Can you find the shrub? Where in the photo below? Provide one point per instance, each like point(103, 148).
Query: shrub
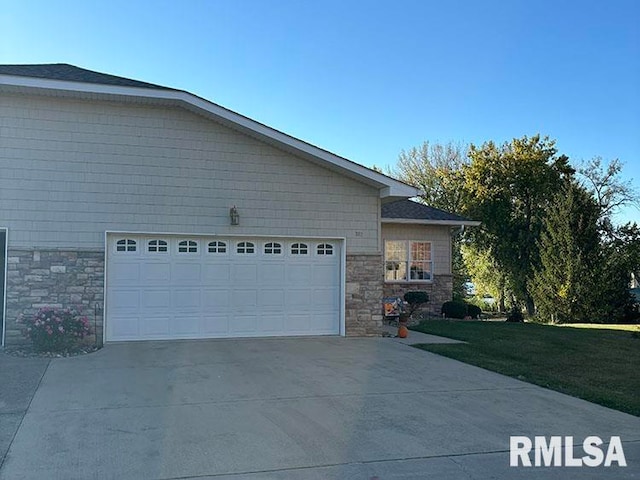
point(54, 329)
point(454, 309)
point(473, 311)
point(515, 315)
point(417, 297)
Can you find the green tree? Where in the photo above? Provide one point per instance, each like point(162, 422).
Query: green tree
point(437, 170)
point(508, 188)
point(565, 285)
point(485, 274)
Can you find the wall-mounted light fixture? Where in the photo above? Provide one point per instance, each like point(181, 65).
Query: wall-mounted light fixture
point(234, 216)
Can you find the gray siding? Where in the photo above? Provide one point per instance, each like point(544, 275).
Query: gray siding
point(72, 169)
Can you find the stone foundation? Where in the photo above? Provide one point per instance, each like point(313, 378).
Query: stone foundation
point(363, 302)
point(39, 278)
point(440, 291)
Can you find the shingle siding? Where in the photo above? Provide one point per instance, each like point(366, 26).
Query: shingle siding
point(71, 169)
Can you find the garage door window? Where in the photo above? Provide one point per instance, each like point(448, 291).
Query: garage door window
point(217, 247)
point(157, 246)
point(245, 247)
point(126, 245)
point(188, 246)
point(272, 248)
point(325, 249)
point(299, 249)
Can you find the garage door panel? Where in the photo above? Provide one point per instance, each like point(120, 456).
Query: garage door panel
point(297, 323)
point(243, 324)
point(323, 323)
point(271, 323)
point(185, 299)
point(155, 273)
point(187, 273)
point(125, 299)
point(215, 299)
point(155, 299)
point(272, 273)
point(298, 273)
point(125, 273)
point(271, 299)
point(217, 324)
point(155, 326)
point(183, 325)
point(243, 274)
point(325, 299)
point(163, 295)
point(244, 300)
point(298, 298)
point(124, 327)
point(324, 275)
point(216, 274)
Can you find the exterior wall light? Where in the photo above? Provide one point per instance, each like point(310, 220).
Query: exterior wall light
point(234, 216)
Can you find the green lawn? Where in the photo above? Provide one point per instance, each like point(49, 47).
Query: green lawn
point(602, 366)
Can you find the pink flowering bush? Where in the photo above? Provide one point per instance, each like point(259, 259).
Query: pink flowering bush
point(55, 329)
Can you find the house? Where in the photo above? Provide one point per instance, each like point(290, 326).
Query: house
point(163, 215)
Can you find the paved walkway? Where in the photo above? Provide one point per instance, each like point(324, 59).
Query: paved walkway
point(416, 338)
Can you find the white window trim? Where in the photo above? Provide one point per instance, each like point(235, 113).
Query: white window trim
point(408, 261)
point(299, 243)
point(136, 243)
point(167, 245)
point(218, 246)
point(188, 246)
point(254, 245)
point(273, 246)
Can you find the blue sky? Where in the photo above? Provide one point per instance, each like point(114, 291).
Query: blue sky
point(368, 79)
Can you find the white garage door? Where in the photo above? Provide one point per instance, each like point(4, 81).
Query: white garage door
point(166, 287)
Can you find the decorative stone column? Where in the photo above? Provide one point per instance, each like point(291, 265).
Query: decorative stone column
point(364, 295)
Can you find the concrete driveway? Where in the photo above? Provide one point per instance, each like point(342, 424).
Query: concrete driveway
point(303, 408)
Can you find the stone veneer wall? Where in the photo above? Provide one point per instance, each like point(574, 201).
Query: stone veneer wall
point(363, 316)
point(440, 291)
point(58, 278)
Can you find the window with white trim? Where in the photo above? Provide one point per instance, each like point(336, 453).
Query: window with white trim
point(407, 261)
point(272, 248)
point(299, 249)
point(157, 246)
point(325, 249)
point(188, 246)
point(126, 245)
point(245, 247)
point(217, 247)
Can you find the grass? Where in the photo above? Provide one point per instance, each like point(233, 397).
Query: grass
point(598, 365)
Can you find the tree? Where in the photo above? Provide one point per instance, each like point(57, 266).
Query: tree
point(485, 274)
point(609, 190)
point(437, 170)
point(565, 285)
point(508, 189)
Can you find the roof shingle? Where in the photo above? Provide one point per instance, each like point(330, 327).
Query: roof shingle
point(410, 210)
point(71, 73)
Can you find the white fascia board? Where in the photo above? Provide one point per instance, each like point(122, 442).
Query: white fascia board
point(415, 221)
point(387, 186)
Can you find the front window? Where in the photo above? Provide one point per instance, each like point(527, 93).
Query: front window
point(407, 261)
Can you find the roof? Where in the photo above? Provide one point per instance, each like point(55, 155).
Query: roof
point(408, 211)
point(71, 73)
point(63, 80)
